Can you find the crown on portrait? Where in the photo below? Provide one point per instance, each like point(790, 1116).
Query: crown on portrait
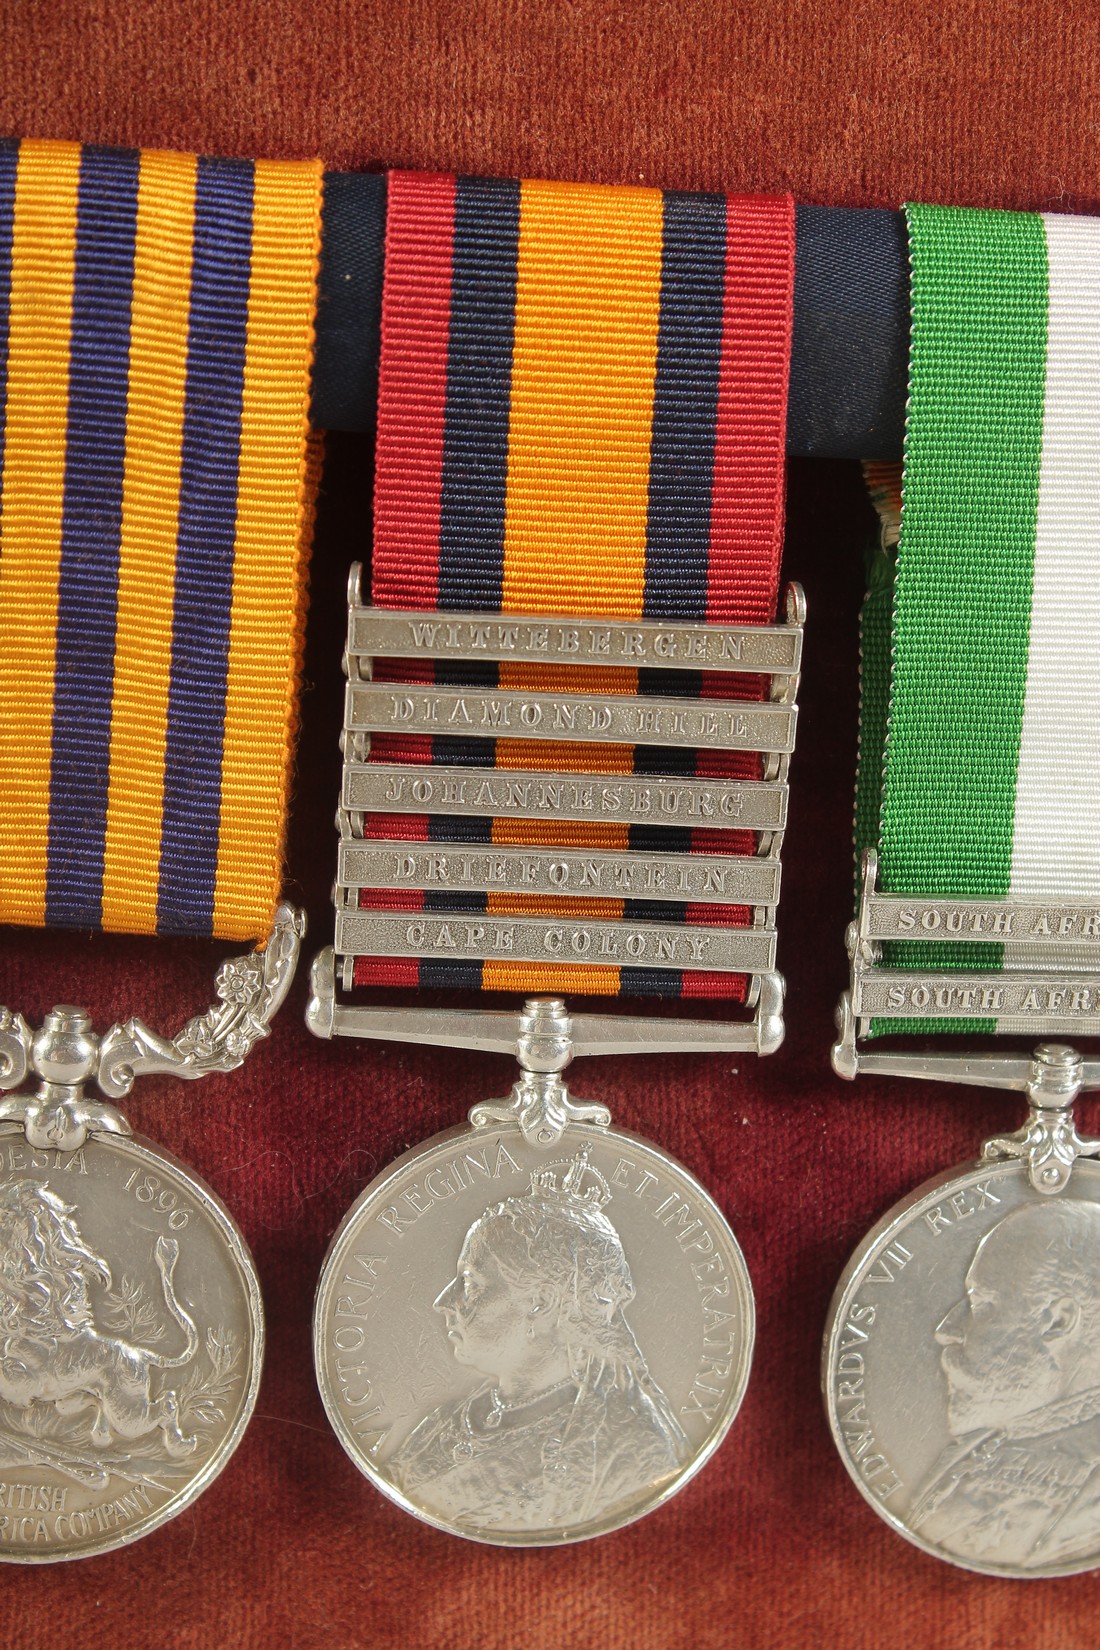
point(574, 1180)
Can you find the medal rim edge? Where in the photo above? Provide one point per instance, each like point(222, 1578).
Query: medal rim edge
point(522, 1539)
point(887, 1222)
point(237, 1245)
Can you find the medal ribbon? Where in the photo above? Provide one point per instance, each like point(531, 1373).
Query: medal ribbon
point(156, 339)
point(980, 743)
point(582, 411)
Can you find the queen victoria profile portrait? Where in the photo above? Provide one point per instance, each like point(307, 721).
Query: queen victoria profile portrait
point(567, 1425)
point(1020, 1483)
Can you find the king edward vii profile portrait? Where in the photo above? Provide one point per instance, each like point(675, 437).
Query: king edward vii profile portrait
point(1020, 1483)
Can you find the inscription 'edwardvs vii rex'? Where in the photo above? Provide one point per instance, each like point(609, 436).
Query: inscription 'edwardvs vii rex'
point(979, 1298)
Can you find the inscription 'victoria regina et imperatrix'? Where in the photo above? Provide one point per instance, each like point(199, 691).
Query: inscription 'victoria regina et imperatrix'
point(572, 775)
point(567, 1340)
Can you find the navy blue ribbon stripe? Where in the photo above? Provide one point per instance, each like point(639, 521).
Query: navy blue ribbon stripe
point(850, 350)
point(681, 482)
point(204, 558)
point(9, 160)
point(479, 394)
point(475, 476)
point(91, 530)
point(685, 405)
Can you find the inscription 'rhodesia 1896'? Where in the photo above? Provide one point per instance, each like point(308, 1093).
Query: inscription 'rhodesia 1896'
point(131, 1341)
point(530, 1346)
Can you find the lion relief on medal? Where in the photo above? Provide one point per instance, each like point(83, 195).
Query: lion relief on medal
point(1019, 1483)
point(566, 1424)
point(98, 1375)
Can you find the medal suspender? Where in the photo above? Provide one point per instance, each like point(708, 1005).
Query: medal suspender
point(568, 724)
point(979, 907)
point(156, 335)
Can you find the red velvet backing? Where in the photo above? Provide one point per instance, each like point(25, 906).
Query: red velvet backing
point(771, 1546)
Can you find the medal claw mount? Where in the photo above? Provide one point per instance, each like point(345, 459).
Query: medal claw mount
point(250, 992)
point(1049, 1141)
point(65, 1054)
point(540, 1102)
point(1052, 1077)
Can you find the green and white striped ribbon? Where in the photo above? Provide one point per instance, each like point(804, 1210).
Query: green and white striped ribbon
point(980, 728)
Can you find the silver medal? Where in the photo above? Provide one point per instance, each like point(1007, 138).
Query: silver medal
point(961, 1366)
point(131, 1344)
point(131, 1327)
point(535, 1329)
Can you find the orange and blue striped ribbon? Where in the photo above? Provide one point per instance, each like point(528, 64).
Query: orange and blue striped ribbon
point(156, 338)
point(582, 411)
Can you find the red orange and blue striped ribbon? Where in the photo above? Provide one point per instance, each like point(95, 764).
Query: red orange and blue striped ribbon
point(582, 411)
point(156, 337)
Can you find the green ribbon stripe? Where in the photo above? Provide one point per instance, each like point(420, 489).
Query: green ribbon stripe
point(963, 577)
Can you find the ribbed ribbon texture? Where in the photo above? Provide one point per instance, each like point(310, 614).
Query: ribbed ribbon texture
point(156, 339)
point(582, 411)
point(980, 742)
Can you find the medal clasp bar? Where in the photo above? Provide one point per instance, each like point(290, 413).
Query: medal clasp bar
point(1049, 988)
point(763, 725)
